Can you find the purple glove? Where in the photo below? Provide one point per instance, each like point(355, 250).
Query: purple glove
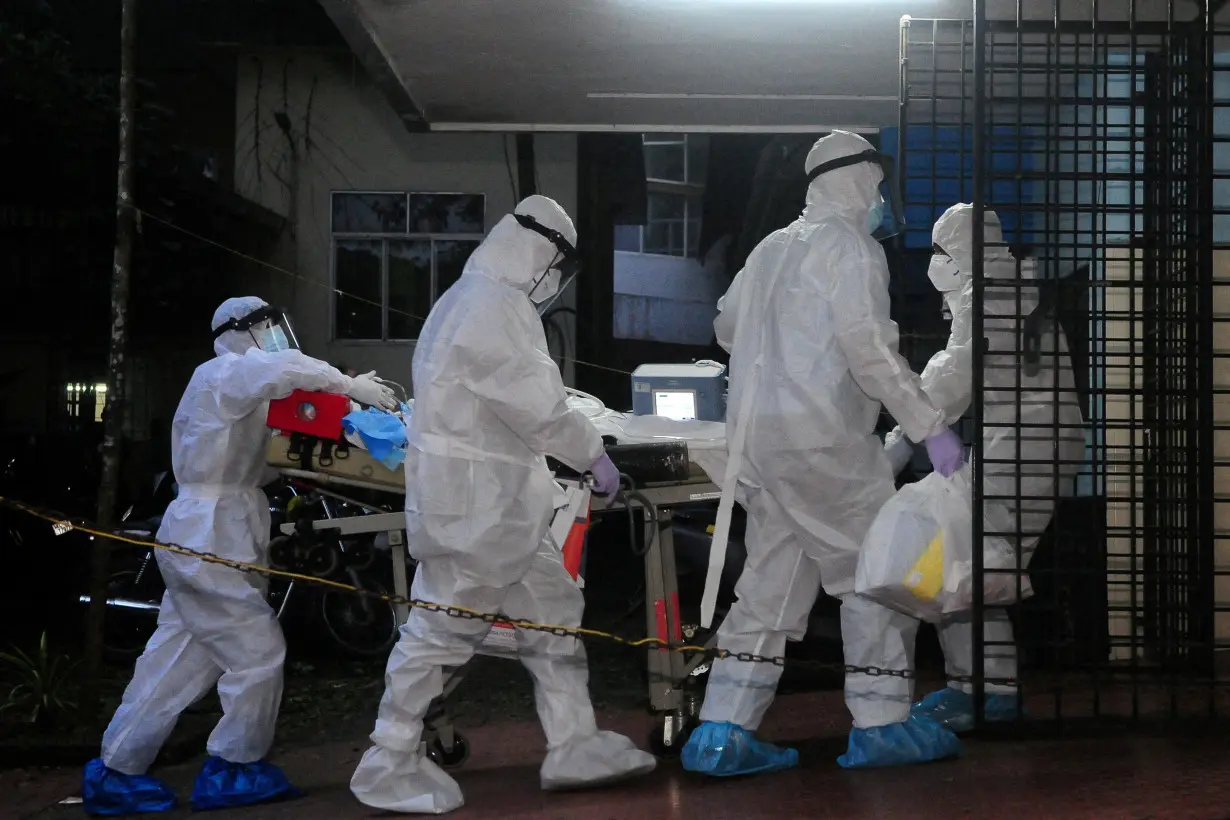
point(606, 475)
point(946, 452)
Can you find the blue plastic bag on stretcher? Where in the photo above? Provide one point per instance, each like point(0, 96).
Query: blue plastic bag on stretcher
point(383, 434)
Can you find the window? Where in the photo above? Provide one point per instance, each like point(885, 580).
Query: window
point(675, 167)
point(85, 400)
point(394, 254)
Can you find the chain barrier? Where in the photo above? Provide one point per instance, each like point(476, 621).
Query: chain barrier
point(63, 524)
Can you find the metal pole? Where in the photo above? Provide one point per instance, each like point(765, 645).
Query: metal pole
point(979, 159)
point(1205, 357)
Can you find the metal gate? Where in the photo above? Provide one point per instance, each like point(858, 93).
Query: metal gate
point(1096, 141)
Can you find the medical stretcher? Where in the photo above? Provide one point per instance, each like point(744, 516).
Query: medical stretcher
point(663, 473)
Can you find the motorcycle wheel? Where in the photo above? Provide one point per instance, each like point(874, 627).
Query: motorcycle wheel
point(357, 632)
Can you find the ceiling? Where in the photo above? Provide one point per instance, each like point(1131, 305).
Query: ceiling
point(639, 65)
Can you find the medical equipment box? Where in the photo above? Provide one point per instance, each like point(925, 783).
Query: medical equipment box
point(311, 414)
point(684, 392)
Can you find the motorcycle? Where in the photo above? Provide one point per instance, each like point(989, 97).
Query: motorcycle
point(356, 626)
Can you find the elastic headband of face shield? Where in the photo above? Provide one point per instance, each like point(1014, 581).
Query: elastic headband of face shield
point(276, 317)
point(568, 261)
point(893, 221)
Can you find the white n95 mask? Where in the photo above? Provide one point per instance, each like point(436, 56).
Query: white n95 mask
point(546, 287)
point(944, 273)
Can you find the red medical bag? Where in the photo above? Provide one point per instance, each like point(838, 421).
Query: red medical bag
point(311, 414)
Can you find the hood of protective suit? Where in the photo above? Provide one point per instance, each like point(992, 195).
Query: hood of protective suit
point(519, 257)
point(954, 234)
point(235, 341)
point(848, 191)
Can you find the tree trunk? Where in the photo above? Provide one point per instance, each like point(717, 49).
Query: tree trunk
point(113, 422)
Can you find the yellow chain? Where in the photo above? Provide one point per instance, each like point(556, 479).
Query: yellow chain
point(63, 525)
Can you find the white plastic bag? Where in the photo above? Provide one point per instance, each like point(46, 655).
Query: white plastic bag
point(917, 558)
point(918, 548)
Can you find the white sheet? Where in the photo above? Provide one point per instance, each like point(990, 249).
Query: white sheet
point(706, 440)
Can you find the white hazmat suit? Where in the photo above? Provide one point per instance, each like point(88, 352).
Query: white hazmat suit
point(214, 624)
point(813, 355)
point(489, 404)
point(1032, 428)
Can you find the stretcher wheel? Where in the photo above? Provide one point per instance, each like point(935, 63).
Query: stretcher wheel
point(670, 734)
point(453, 759)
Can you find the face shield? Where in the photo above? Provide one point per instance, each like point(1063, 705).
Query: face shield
point(269, 327)
point(885, 219)
point(563, 268)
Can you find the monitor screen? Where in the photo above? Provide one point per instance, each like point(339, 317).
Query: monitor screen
point(679, 405)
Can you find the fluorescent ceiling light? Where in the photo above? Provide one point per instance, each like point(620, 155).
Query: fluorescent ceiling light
point(572, 128)
point(653, 95)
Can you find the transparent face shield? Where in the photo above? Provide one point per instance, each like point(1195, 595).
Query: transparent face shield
point(552, 282)
point(544, 307)
point(885, 219)
point(269, 327)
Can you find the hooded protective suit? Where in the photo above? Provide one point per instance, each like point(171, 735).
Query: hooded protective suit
point(1032, 431)
point(489, 404)
point(214, 624)
point(813, 356)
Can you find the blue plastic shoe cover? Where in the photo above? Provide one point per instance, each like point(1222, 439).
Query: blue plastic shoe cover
point(726, 750)
point(915, 740)
point(954, 709)
point(108, 793)
point(223, 785)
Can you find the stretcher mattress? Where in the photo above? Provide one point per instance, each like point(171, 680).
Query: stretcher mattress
point(706, 443)
point(355, 468)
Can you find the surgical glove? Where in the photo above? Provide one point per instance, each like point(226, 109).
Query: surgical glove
point(606, 475)
point(946, 452)
point(366, 390)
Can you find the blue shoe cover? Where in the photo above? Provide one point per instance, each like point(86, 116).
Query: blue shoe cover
point(726, 750)
point(915, 740)
point(954, 709)
point(223, 785)
point(108, 793)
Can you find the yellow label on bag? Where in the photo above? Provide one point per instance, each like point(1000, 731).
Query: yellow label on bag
point(926, 578)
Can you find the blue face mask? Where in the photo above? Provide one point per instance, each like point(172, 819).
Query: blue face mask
point(272, 340)
point(875, 217)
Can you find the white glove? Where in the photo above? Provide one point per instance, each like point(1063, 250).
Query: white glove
point(366, 390)
point(899, 449)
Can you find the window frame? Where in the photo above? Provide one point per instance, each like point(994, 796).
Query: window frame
point(692, 192)
point(383, 239)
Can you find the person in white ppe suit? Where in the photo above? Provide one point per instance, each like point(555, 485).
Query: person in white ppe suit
point(489, 405)
point(813, 355)
point(1032, 431)
point(214, 625)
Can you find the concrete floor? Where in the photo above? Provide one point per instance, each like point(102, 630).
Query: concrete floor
point(1125, 774)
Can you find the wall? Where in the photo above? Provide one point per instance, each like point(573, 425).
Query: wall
point(668, 298)
point(345, 136)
